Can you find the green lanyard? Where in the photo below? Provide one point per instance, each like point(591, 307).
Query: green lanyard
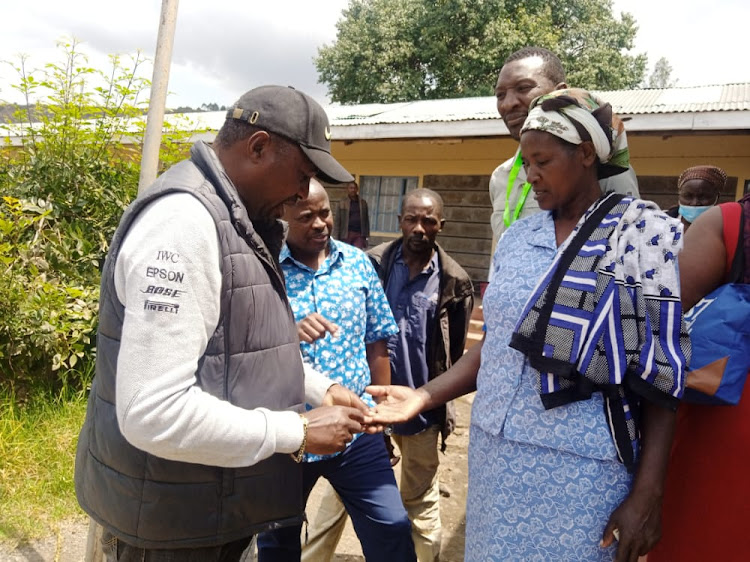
point(521, 200)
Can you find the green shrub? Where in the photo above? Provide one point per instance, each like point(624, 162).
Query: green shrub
point(66, 175)
point(47, 316)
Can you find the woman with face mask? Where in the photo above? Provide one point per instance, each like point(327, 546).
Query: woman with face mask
point(698, 189)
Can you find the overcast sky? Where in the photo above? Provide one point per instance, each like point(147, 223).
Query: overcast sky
point(225, 47)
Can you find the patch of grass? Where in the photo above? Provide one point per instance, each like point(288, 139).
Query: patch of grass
point(38, 436)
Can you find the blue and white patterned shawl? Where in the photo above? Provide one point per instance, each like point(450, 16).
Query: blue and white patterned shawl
point(606, 317)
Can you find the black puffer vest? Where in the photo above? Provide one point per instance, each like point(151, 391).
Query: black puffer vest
point(252, 360)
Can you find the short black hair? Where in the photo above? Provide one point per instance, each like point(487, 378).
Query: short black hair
point(236, 130)
point(424, 192)
point(553, 68)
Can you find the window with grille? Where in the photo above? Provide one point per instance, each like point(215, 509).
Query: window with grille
point(384, 195)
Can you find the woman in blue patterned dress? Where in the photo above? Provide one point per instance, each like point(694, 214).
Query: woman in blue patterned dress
point(583, 359)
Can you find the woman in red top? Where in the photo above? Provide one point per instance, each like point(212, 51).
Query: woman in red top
point(706, 508)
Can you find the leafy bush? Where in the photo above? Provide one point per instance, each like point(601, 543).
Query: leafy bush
point(47, 317)
point(67, 172)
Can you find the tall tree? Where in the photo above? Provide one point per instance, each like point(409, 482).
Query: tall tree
point(399, 50)
point(661, 77)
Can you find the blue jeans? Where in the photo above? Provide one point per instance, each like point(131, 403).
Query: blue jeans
point(115, 550)
point(363, 477)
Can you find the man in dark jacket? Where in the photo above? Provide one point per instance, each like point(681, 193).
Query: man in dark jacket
point(196, 422)
point(352, 218)
point(431, 297)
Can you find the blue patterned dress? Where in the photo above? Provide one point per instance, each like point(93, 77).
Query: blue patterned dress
point(542, 483)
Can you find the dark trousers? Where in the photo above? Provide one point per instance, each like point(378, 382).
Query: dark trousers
point(363, 477)
point(115, 550)
point(356, 239)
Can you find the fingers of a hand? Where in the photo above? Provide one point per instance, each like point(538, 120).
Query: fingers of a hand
point(634, 556)
point(341, 435)
point(346, 436)
point(608, 536)
point(327, 325)
point(626, 551)
point(311, 330)
point(636, 546)
point(377, 390)
point(627, 546)
point(355, 415)
point(373, 428)
point(319, 324)
point(356, 402)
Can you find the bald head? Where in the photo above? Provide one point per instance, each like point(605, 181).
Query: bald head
point(316, 190)
point(418, 194)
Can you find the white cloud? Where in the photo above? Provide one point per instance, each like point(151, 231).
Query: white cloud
point(224, 47)
point(221, 49)
point(704, 42)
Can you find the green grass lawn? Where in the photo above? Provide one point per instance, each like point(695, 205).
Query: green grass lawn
point(37, 451)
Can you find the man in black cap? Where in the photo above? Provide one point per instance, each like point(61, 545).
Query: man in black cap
point(196, 420)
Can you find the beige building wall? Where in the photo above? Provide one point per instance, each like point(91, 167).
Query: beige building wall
point(669, 155)
point(419, 157)
point(459, 169)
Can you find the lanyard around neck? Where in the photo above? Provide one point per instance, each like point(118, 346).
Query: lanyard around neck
point(507, 219)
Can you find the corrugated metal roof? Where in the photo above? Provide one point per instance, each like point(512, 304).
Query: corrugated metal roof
point(728, 97)
point(706, 108)
point(426, 111)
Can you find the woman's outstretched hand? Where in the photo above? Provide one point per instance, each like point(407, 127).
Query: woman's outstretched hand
point(397, 404)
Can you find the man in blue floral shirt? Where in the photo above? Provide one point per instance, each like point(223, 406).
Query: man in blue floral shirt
point(344, 322)
point(431, 297)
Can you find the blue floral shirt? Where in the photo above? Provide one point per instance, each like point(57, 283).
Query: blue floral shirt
point(507, 402)
point(345, 290)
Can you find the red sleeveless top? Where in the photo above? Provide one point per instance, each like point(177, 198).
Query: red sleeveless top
point(706, 510)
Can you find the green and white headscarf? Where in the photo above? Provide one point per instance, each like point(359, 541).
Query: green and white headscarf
point(575, 115)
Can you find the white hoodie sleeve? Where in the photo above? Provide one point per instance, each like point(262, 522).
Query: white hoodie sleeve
point(168, 278)
point(316, 385)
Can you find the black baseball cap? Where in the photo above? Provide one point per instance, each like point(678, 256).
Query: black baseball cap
point(297, 117)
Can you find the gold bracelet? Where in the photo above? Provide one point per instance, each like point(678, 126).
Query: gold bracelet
point(301, 452)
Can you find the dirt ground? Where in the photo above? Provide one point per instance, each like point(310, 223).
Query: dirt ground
point(67, 543)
